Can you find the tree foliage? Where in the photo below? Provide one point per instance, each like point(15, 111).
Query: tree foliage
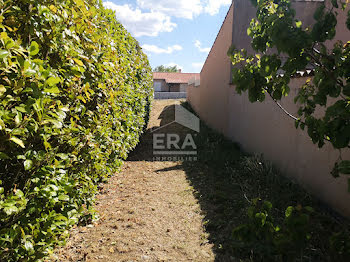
point(75, 88)
point(167, 69)
point(282, 48)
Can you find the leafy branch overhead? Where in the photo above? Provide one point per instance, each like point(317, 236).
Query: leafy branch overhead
point(283, 46)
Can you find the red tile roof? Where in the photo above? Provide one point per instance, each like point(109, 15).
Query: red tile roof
point(175, 78)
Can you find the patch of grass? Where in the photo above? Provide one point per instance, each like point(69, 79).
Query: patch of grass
point(226, 180)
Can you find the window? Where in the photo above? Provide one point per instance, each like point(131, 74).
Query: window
point(157, 86)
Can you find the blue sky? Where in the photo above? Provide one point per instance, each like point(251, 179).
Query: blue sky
point(173, 32)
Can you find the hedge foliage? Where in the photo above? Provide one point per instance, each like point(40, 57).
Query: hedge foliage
point(74, 93)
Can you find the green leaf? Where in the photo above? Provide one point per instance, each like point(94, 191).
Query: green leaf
point(78, 70)
point(19, 193)
point(17, 141)
point(23, 157)
point(4, 53)
point(63, 197)
point(344, 167)
point(53, 81)
point(9, 44)
point(28, 245)
point(10, 209)
point(2, 90)
point(80, 2)
point(21, 109)
point(61, 218)
point(56, 123)
point(298, 24)
point(29, 72)
point(52, 90)
point(4, 156)
point(63, 156)
point(81, 98)
point(78, 62)
point(47, 145)
point(28, 164)
point(34, 48)
point(2, 124)
point(249, 31)
point(289, 211)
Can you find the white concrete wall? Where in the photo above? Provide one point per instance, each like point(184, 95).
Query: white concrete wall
point(169, 95)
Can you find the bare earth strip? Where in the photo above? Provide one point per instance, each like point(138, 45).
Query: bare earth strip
point(147, 213)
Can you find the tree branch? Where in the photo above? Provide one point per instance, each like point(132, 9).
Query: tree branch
point(283, 109)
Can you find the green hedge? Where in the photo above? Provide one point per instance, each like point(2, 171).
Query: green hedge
point(75, 89)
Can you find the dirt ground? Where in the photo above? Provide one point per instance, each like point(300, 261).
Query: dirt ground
point(148, 212)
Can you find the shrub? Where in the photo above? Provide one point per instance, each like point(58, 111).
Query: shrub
point(269, 242)
point(296, 237)
point(75, 89)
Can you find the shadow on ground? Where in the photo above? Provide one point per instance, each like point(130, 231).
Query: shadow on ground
point(215, 195)
point(225, 180)
point(161, 123)
point(212, 189)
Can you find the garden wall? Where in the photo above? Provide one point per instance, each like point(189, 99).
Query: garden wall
point(263, 127)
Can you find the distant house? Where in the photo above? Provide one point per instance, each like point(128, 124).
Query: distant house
point(173, 82)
